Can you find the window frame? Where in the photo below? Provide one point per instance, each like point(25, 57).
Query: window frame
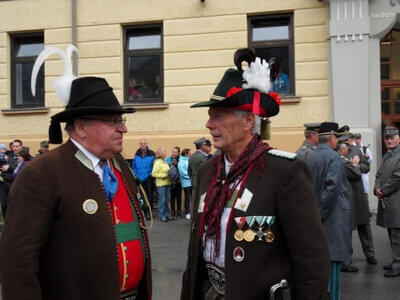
point(132, 53)
point(14, 40)
point(276, 19)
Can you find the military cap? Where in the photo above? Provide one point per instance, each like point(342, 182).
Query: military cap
point(357, 135)
point(328, 128)
point(202, 141)
point(312, 126)
point(44, 144)
point(390, 131)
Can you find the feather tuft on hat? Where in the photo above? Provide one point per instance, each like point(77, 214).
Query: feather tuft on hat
point(257, 76)
point(61, 85)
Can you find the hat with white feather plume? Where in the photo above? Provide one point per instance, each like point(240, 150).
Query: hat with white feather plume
point(245, 90)
point(82, 96)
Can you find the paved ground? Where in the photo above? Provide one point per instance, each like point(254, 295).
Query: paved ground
point(169, 245)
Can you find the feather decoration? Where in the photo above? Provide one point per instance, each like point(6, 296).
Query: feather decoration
point(61, 85)
point(257, 76)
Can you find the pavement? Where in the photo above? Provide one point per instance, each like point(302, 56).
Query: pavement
point(169, 240)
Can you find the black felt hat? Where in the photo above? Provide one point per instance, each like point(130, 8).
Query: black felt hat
point(89, 96)
point(235, 91)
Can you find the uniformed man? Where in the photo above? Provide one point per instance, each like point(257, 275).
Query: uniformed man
point(203, 149)
point(311, 142)
point(360, 204)
point(74, 228)
point(255, 219)
point(331, 189)
point(387, 189)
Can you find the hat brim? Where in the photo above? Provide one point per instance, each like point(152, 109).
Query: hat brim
point(243, 100)
point(73, 113)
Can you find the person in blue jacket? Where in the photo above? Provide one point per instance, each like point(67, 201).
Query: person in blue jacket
point(186, 183)
point(142, 165)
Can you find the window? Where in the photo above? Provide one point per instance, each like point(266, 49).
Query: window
point(143, 61)
point(24, 50)
point(272, 39)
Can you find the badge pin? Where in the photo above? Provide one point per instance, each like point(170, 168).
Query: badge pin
point(244, 201)
point(90, 206)
point(201, 203)
point(269, 236)
point(249, 235)
point(238, 254)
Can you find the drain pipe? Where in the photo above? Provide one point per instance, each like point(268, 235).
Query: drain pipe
point(74, 39)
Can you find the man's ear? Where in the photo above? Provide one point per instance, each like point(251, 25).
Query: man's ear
point(80, 127)
point(249, 120)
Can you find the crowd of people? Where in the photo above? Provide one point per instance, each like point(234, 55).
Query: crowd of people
point(265, 223)
point(12, 160)
point(340, 166)
point(168, 178)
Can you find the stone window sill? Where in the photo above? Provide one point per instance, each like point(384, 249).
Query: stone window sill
point(23, 111)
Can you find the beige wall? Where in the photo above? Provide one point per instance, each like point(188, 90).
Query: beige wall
point(199, 41)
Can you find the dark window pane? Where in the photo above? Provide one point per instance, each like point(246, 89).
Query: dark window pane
point(23, 94)
point(144, 77)
point(270, 33)
point(281, 84)
point(385, 108)
point(29, 49)
point(144, 39)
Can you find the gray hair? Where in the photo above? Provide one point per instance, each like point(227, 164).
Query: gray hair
point(257, 120)
point(323, 139)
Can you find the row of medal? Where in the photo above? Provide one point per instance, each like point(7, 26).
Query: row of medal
point(262, 230)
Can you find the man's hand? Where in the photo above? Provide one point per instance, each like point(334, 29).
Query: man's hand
point(379, 193)
point(5, 168)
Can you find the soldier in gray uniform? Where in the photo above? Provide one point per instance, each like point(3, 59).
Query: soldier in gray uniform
point(203, 148)
point(311, 142)
point(387, 189)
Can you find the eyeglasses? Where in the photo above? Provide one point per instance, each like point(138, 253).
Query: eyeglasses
point(115, 122)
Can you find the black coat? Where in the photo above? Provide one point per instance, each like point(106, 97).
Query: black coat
point(299, 252)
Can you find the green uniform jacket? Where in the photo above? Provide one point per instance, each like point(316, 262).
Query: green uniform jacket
point(299, 252)
point(50, 247)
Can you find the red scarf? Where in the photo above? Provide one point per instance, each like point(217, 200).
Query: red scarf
point(220, 190)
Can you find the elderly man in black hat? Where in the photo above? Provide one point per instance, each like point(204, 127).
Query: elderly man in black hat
point(74, 228)
point(311, 142)
point(387, 189)
point(256, 228)
point(331, 189)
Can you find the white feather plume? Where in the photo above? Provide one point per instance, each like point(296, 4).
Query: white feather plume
point(257, 76)
point(61, 85)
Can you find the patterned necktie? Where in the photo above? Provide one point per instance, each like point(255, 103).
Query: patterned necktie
point(110, 182)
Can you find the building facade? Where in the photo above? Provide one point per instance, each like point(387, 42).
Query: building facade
point(161, 57)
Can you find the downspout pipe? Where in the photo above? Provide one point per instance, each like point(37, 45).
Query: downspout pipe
point(74, 36)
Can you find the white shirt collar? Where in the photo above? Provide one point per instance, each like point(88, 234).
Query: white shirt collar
point(93, 158)
point(228, 165)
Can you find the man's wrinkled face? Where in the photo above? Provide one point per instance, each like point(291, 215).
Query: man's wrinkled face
point(104, 135)
point(392, 142)
point(16, 147)
point(226, 129)
point(357, 142)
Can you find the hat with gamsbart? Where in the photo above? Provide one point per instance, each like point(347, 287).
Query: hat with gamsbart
point(83, 96)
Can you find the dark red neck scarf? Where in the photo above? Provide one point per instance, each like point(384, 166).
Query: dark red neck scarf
point(220, 190)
